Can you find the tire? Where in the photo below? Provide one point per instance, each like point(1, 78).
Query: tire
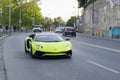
point(65, 34)
point(25, 48)
point(32, 56)
point(69, 54)
point(72, 35)
point(75, 35)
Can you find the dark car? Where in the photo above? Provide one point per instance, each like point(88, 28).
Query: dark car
point(69, 31)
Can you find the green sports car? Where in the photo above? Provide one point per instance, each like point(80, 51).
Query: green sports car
point(47, 44)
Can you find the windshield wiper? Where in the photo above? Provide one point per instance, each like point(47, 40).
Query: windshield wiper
point(51, 41)
point(56, 41)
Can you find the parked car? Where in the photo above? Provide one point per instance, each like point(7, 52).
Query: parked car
point(58, 30)
point(69, 31)
point(37, 28)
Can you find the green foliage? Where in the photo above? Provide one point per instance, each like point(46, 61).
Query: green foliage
point(82, 3)
point(4, 7)
point(58, 21)
point(85, 3)
point(29, 9)
point(71, 21)
point(47, 22)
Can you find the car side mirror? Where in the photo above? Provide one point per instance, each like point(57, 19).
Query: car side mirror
point(30, 39)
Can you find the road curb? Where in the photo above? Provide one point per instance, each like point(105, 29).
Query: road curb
point(87, 35)
point(3, 37)
point(2, 65)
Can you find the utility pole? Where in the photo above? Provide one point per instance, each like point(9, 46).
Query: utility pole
point(93, 17)
point(10, 5)
point(33, 22)
point(20, 13)
point(0, 14)
point(78, 12)
point(75, 17)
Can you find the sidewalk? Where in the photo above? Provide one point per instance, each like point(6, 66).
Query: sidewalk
point(2, 66)
point(105, 37)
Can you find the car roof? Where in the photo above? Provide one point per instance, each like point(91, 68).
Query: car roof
point(70, 27)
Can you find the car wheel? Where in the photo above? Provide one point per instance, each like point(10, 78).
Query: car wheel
point(65, 34)
point(25, 48)
point(72, 35)
point(75, 35)
point(32, 53)
point(69, 54)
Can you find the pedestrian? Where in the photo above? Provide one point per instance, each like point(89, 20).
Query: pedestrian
point(21, 29)
point(74, 33)
point(14, 28)
point(26, 29)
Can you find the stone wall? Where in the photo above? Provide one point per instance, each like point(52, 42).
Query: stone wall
point(105, 14)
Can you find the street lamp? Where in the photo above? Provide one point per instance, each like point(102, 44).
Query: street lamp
point(20, 13)
point(33, 19)
point(75, 18)
point(10, 5)
point(0, 13)
point(75, 10)
point(92, 17)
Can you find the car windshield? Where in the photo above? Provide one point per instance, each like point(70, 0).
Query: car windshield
point(69, 29)
point(48, 38)
point(36, 26)
point(58, 29)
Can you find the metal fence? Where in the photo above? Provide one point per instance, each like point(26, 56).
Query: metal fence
point(5, 32)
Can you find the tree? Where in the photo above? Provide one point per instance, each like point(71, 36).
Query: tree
point(71, 21)
point(58, 21)
point(85, 3)
point(29, 7)
point(31, 12)
point(47, 23)
point(4, 7)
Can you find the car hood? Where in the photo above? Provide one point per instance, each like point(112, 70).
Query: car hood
point(54, 46)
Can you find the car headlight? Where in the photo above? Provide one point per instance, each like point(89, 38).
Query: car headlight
point(68, 46)
point(39, 47)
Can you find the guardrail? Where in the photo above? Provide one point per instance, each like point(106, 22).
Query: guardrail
point(5, 32)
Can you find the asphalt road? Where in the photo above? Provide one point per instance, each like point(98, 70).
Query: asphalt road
point(93, 59)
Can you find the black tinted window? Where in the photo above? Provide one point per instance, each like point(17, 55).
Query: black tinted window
point(49, 38)
point(70, 29)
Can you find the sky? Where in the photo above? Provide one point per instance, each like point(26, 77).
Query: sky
point(63, 8)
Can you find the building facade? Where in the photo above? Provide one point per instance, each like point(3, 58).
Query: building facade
point(100, 16)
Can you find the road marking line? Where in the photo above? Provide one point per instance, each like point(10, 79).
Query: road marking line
point(102, 47)
point(104, 67)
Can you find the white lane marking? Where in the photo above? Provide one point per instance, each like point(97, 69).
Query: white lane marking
point(102, 47)
point(104, 67)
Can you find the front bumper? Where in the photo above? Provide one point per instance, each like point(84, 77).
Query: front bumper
point(43, 54)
